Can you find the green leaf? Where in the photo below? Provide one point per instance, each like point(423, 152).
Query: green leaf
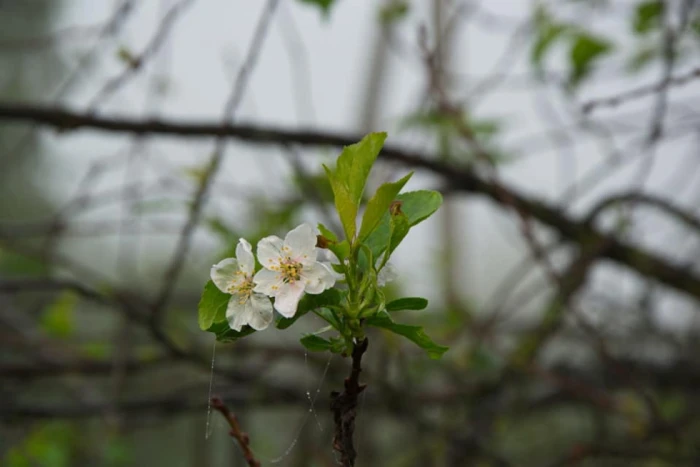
point(340, 250)
point(225, 334)
point(212, 315)
point(355, 163)
point(326, 232)
point(59, 318)
point(648, 16)
point(311, 302)
point(412, 333)
point(398, 227)
point(379, 205)
point(585, 50)
point(393, 11)
point(316, 343)
point(548, 32)
point(350, 175)
point(407, 303)
point(330, 317)
point(416, 205)
point(212, 306)
point(344, 204)
point(323, 5)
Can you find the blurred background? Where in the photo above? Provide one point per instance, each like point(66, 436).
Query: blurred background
point(140, 139)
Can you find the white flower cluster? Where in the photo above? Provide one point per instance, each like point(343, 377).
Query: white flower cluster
point(289, 269)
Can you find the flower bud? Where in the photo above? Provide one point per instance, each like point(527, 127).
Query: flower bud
point(322, 242)
point(395, 208)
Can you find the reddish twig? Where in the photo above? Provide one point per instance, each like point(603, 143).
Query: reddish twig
point(344, 408)
point(235, 432)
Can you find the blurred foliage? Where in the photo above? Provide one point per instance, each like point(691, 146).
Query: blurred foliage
point(323, 5)
point(58, 318)
point(585, 47)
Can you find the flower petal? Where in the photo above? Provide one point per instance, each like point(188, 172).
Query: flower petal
point(267, 282)
point(236, 313)
point(244, 254)
point(326, 256)
point(270, 251)
point(224, 274)
point(317, 278)
point(301, 244)
point(288, 298)
point(386, 275)
point(259, 311)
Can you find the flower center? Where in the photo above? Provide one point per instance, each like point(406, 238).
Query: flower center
point(242, 287)
point(291, 270)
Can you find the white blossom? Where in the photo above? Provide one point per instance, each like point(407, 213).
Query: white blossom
point(235, 276)
point(290, 268)
point(386, 275)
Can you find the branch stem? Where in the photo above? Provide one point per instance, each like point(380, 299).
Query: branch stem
point(344, 408)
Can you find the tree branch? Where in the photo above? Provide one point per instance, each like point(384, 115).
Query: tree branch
point(458, 178)
point(236, 433)
point(344, 407)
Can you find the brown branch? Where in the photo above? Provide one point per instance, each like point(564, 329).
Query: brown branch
point(236, 433)
point(663, 205)
point(622, 98)
point(344, 408)
point(115, 83)
point(458, 178)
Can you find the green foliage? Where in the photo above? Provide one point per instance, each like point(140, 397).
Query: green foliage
point(224, 333)
point(50, 444)
point(648, 16)
point(330, 297)
point(59, 318)
point(413, 333)
point(349, 178)
point(316, 343)
point(212, 306)
point(394, 11)
point(407, 303)
point(586, 49)
point(388, 217)
point(330, 317)
point(326, 232)
point(642, 57)
point(212, 315)
point(547, 33)
point(398, 229)
point(323, 5)
point(416, 205)
point(379, 204)
point(15, 264)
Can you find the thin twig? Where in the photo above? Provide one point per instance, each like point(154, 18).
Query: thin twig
point(234, 100)
point(643, 91)
point(236, 432)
